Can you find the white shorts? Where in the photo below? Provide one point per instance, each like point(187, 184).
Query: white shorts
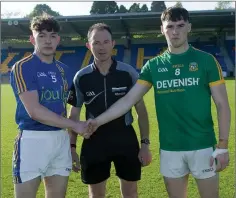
point(41, 153)
point(176, 164)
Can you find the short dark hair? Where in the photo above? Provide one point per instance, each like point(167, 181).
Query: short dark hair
point(44, 22)
point(175, 14)
point(100, 27)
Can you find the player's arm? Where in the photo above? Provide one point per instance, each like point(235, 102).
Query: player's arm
point(219, 95)
point(124, 104)
point(140, 108)
point(136, 93)
point(36, 111)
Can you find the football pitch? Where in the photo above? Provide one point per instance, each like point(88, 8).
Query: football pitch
point(151, 185)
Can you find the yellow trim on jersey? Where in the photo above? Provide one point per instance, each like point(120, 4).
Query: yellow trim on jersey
point(218, 82)
point(219, 68)
point(144, 82)
point(21, 86)
point(18, 83)
point(16, 79)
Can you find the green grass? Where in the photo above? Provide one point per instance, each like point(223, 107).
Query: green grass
point(151, 185)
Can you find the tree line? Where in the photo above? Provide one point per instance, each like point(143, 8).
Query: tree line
point(111, 7)
point(103, 7)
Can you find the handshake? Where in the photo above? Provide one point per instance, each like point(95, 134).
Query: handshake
point(85, 128)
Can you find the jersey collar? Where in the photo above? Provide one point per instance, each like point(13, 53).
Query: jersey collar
point(36, 56)
point(111, 69)
point(182, 54)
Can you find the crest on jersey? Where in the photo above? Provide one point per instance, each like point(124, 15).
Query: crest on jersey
point(193, 66)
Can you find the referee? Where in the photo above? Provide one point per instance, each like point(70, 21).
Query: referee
point(98, 86)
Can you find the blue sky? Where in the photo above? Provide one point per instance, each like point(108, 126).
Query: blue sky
point(83, 8)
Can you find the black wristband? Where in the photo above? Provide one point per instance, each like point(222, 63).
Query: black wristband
point(73, 145)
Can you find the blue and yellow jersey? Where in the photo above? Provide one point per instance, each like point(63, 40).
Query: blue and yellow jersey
point(51, 81)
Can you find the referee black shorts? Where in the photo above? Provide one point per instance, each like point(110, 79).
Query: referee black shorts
point(119, 146)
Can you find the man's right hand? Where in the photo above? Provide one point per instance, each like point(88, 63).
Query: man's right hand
point(75, 160)
point(92, 127)
point(81, 128)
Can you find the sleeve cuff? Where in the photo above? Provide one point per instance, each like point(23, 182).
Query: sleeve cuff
point(144, 82)
point(218, 82)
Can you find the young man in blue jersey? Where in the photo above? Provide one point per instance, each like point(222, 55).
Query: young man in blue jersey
point(42, 147)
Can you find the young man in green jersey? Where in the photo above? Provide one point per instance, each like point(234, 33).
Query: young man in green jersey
point(184, 80)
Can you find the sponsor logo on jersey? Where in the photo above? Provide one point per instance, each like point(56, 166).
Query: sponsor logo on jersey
point(53, 95)
point(193, 66)
point(90, 93)
point(185, 82)
point(164, 69)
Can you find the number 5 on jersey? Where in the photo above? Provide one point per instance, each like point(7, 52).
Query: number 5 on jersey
point(53, 78)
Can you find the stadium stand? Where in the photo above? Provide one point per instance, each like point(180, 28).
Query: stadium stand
point(128, 49)
point(75, 57)
point(230, 45)
point(141, 53)
point(78, 57)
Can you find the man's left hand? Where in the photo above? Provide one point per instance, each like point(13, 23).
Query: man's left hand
point(145, 156)
point(222, 161)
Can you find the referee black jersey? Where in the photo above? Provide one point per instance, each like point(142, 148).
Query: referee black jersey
point(98, 92)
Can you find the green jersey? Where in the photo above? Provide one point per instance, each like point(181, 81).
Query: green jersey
point(183, 98)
